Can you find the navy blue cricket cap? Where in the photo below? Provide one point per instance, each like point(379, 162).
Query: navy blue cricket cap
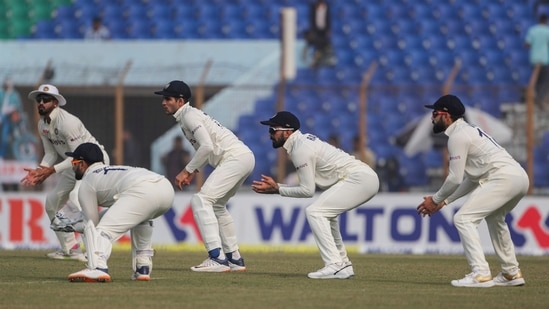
point(283, 119)
point(450, 104)
point(176, 89)
point(88, 152)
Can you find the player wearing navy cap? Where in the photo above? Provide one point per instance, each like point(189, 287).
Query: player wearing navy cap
point(132, 197)
point(495, 182)
point(347, 181)
point(233, 162)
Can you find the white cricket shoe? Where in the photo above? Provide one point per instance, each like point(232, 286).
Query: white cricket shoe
point(475, 280)
point(90, 275)
point(503, 279)
point(333, 271)
point(74, 254)
point(213, 265)
point(142, 273)
point(349, 268)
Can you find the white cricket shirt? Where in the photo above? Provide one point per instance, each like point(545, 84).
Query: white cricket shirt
point(64, 133)
point(211, 140)
point(474, 156)
point(318, 164)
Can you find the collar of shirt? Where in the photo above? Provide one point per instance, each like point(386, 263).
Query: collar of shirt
point(179, 111)
point(52, 116)
point(453, 126)
point(290, 142)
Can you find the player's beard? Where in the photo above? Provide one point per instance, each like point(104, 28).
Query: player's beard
point(438, 126)
point(278, 142)
point(45, 111)
point(78, 174)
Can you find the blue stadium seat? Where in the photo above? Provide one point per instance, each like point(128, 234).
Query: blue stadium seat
point(164, 28)
point(117, 27)
point(207, 12)
point(44, 29)
point(136, 11)
point(86, 12)
point(161, 11)
point(259, 30)
point(433, 158)
point(477, 26)
point(64, 12)
point(231, 12)
point(469, 11)
point(444, 12)
point(495, 11)
point(235, 29)
point(210, 29)
point(69, 29)
point(112, 11)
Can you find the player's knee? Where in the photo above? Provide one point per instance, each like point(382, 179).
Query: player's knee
point(313, 212)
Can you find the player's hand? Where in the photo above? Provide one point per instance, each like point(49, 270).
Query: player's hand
point(184, 178)
point(428, 206)
point(265, 185)
point(36, 176)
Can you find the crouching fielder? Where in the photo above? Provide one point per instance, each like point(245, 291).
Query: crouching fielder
point(348, 183)
point(133, 197)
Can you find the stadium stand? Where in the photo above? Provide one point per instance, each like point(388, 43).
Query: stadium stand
point(416, 44)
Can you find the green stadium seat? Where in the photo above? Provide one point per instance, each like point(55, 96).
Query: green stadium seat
point(17, 11)
point(40, 11)
point(19, 28)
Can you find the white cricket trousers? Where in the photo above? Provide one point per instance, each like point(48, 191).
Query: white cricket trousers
point(144, 201)
point(492, 200)
point(214, 221)
point(322, 215)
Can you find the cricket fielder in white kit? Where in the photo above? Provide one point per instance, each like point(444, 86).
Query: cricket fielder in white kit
point(347, 181)
point(495, 183)
point(60, 132)
point(233, 162)
point(132, 196)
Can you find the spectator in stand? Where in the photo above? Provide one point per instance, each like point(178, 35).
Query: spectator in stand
point(11, 111)
point(537, 39)
point(98, 31)
point(318, 36)
point(363, 153)
point(175, 160)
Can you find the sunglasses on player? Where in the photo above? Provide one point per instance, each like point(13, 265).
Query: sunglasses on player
point(273, 130)
point(44, 98)
point(436, 113)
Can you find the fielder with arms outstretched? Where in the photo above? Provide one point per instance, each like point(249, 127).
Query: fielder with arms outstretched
point(233, 162)
point(495, 183)
point(60, 132)
point(133, 196)
point(347, 181)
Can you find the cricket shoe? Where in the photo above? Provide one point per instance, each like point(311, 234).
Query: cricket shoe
point(91, 275)
point(503, 279)
point(333, 271)
point(213, 265)
point(74, 254)
point(475, 280)
point(349, 268)
point(237, 265)
point(142, 274)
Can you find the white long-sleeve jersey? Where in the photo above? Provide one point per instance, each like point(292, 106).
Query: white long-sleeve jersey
point(103, 184)
point(318, 164)
point(63, 134)
point(474, 156)
point(211, 140)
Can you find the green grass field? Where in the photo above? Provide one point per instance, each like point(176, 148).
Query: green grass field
point(274, 280)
